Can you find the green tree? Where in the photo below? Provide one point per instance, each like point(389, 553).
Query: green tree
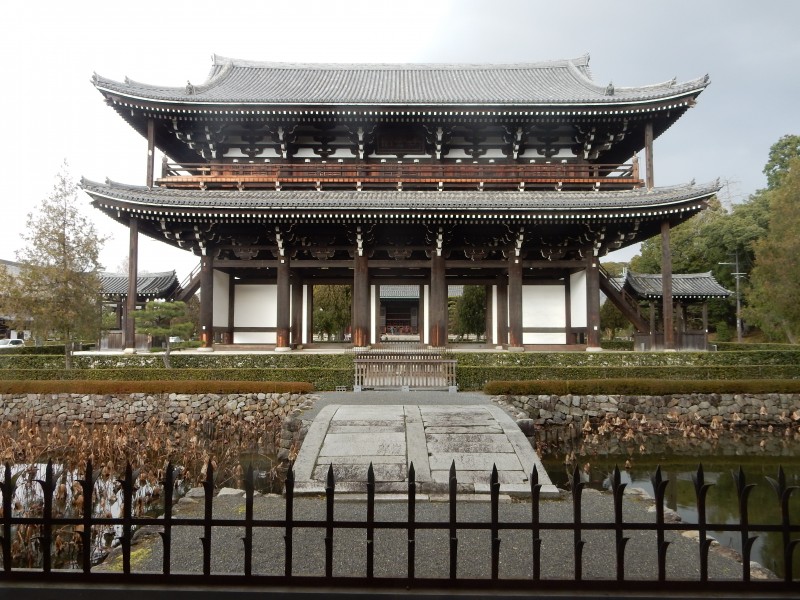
point(164, 319)
point(612, 320)
point(775, 279)
point(332, 310)
point(58, 287)
point(781, 155)
point(470, 312)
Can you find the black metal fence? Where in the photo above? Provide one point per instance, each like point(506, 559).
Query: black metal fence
point(44, 527)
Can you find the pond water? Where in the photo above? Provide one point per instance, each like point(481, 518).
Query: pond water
point(760, 454)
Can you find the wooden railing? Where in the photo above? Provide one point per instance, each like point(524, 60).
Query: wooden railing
point(404, 370)
point(399, 175)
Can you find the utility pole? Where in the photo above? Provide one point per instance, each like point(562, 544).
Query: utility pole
point(737, 274)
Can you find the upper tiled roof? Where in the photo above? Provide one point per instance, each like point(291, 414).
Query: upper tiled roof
point(152, 285)
point(686, 286)
point(311, 201)
point(561, 82)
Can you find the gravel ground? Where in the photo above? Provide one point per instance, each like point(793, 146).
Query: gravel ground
point(432, 546)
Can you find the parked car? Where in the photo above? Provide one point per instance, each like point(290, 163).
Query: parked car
point(17, 343)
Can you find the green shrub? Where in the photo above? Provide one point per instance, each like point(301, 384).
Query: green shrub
point(319, 378)
point(618, 345)
point(641, 387)
point(152, 387)
point(724, 332)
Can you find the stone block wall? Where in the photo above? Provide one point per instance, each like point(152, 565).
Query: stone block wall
point(702, 409)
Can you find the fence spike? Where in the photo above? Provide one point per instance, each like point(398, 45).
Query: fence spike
point(412, 515)
point(330, 486)
point(453, 487)
point(743, 490)
point(659, 490)
point(8, 487)
point(289, 521)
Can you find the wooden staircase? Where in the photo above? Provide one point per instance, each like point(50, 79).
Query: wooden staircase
point(626, 303)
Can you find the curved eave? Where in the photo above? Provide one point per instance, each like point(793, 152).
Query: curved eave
point(340, 206)
point(683, 99)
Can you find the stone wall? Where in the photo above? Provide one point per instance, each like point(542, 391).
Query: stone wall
point(702, 409)
point(169, 407)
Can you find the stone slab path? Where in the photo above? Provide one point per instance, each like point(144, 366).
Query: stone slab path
point(393, 436)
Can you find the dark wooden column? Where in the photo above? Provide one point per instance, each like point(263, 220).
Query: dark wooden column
point(648, 155)
point(297, 311)
point(666, 288)
point(151, 150)
point(593, 303)
point(570, 336)
point(514, 301)
point(437, 310)
point(489, 320)
point(207, 301)
point(361, 309)
point(129, 343)
point(502, 310)
point(283, 307)
point(421, 319)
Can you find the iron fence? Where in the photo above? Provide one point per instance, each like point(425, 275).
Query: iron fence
point(45, 520)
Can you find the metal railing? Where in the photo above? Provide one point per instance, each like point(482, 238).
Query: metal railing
point(414, 175)
point(44, 520)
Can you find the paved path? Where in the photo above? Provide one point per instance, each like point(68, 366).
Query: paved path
point(393, 430)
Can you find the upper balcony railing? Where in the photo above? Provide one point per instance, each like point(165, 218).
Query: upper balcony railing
point(319, 175)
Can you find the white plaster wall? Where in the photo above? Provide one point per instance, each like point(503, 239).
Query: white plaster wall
point(577, 291)
point(305, 314)
point(255, 337)
point(544, 338)
point(255, 306)
point(374, 304)
point(495, 333)
point(426, 317)
point(222, 283)
point(543, 306)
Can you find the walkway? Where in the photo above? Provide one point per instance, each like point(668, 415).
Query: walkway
point(432, 430)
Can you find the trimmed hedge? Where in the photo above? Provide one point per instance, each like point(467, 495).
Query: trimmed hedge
point(153, 387)
point(642, 387)
point(627, 359)
point(737, 347)
point(475, 378)
point(319, 378)
point(619, 345)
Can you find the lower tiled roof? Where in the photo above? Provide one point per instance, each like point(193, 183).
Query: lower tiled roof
point(150, 285)
point(684, 286)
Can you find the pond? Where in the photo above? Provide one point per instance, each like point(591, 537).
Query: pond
point(760, 454)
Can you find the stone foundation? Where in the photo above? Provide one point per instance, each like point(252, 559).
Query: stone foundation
point(702, 409)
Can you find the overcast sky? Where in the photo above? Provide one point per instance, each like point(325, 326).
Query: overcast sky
point(52, 112)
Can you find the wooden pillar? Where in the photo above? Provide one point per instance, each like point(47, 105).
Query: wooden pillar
point(593, 303)
point(570, 336)
point(228, 338)
point(648, 155)
point(129, 343)
point(151, 150)
point(297, 311)
point(207, 301)
point(502, 311)
point(489, 321)
point(666, 288)
point(283, 307)
point(421, 320)
point(438, 303)
point(361, 308)
point(514, 301)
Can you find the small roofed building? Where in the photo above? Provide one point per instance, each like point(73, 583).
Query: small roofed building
point(149, 286)
point(688, 289)
point(515, 177)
